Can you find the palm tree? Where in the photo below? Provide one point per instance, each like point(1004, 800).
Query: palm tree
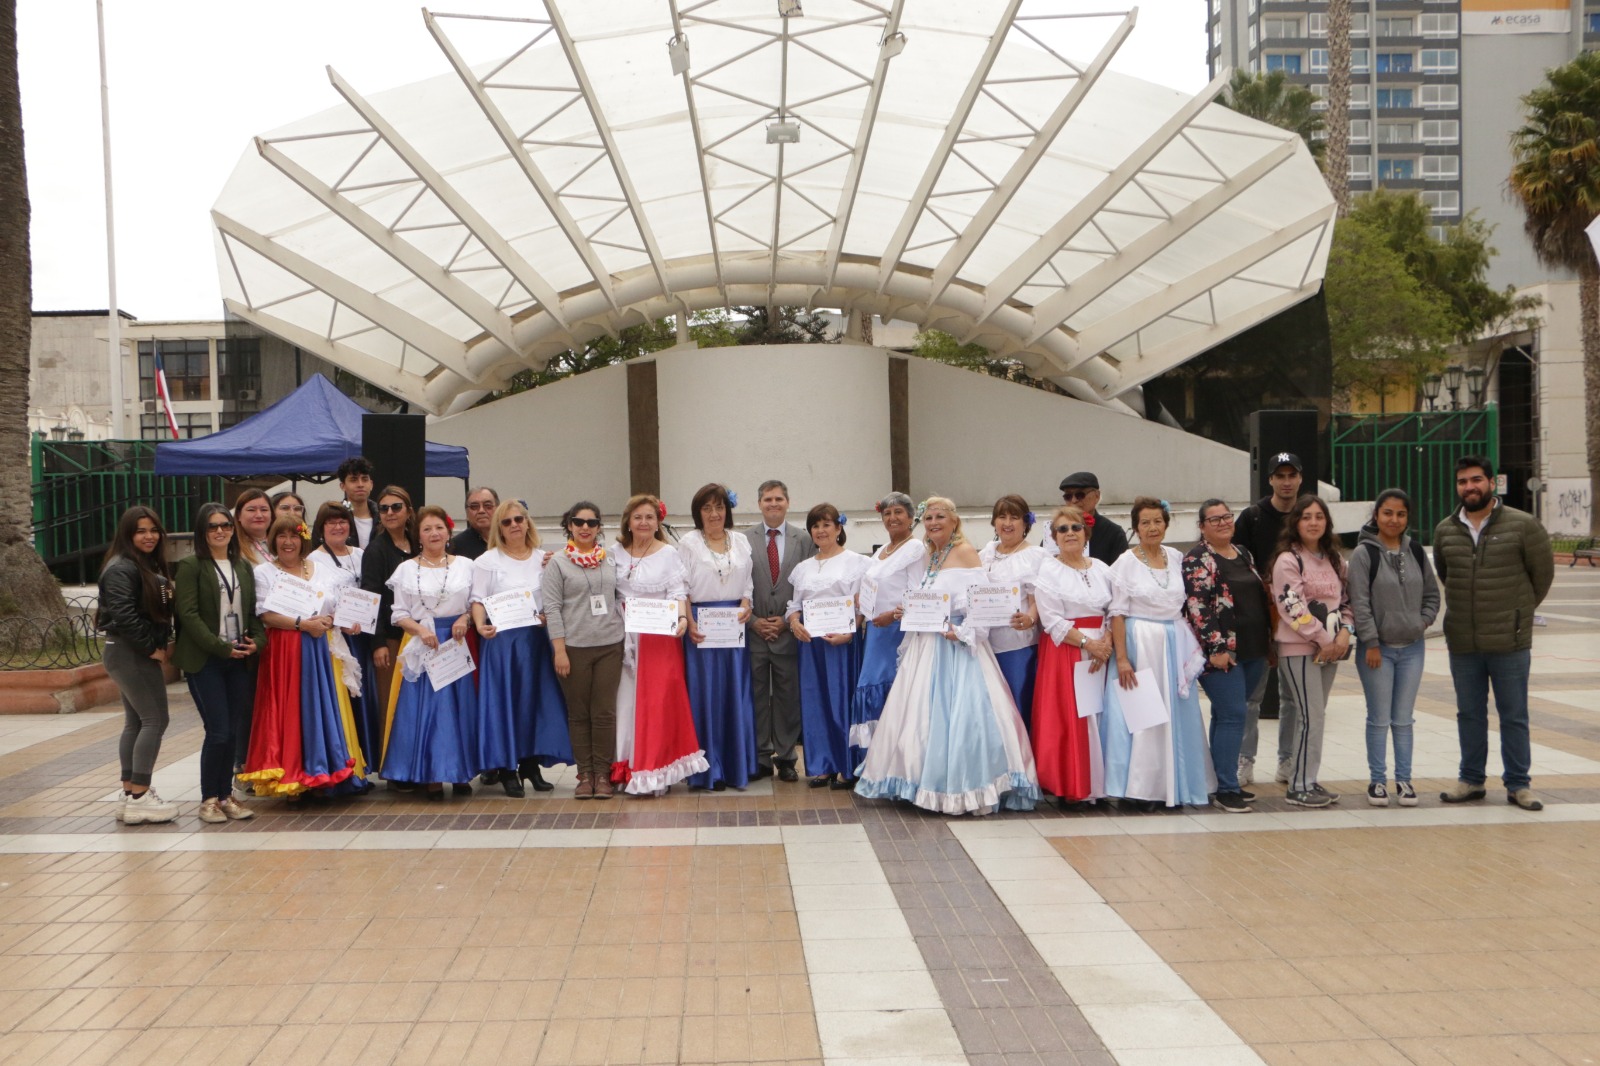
point(1555, 173)
point(1273, 99)
point(26, 587)
point(1336, 163)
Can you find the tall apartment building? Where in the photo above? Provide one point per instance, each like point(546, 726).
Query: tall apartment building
point(1435, 87)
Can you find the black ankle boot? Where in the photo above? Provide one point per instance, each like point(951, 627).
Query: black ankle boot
point(530, 771)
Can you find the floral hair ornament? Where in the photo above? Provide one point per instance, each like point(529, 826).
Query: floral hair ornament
point(844, 519)
point(449, 523)
point(305, 534)
point(733, 497)
point(1165, 506)
point(921, 507)
point(878, 507)
point(661, 511)
point(1031, 518)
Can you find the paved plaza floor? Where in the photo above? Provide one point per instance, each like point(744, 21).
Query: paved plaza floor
point(786, 924)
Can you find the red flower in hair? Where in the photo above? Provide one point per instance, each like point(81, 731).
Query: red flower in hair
point(449, 523)
point(661, 511)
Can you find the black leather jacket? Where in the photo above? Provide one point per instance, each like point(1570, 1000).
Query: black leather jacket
point(122, 612)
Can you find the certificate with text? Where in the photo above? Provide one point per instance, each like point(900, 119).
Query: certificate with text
point(925, 612)
point(720, 626)
point(989, 606)
point(827, 615)
point(652, 617)
point(449, 663)
point(512, 609)
point(295, 597)
point(357, 607)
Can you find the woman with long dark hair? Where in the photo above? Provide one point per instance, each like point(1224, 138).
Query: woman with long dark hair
point(393, 542)
point(135, 614)
point(219, 634)
point(1314, 627)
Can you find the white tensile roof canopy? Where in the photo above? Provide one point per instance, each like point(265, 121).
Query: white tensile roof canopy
point(966, 165)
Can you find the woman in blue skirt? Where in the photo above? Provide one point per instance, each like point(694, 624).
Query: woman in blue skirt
point(829, 663)
point(431, 733)
point(890, 571)
point(1010, 560)
point(523, 715)
point(717, 564)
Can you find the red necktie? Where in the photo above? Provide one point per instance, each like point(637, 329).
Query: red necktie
point(772, 554)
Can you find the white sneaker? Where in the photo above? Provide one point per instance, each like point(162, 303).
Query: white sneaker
point(1247, 770)
point(1282, 776)
point(148, 808)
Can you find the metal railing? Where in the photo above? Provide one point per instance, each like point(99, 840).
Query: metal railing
point(1416, 452)
point(51, 644)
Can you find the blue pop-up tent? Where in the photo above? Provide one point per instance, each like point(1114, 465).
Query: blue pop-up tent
point(304, 436)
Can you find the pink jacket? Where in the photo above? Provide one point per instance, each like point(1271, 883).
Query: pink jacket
point(1307, 590)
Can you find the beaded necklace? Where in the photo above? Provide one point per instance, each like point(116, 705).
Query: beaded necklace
point(1083, 573)
point(721, 562)
point(444, 583)
point(1162, 576)
point(935, 564)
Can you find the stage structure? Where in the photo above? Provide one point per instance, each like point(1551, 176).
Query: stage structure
point(972, 166)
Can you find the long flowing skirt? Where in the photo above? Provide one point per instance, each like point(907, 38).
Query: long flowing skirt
point(301, 734)
point(1066, 746)
point(880, 658)
point(656, 742)
point(521, 713)
point(950, 739)
point(1170, 763)
point(828, 674)
point(430, 735)
point(724, 711)
point(1019, 667)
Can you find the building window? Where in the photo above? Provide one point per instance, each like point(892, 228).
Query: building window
point(1440, 60)
point(1289, 63)
point(238, 379)
point(1591, 23)
point(1441, 97)
point(1441, 25)
point(1360, 61)
point(1216, 35)
point(1279, 28)
point(1360, 131)
point(154, 426)
point(1395, 27)
point(1360, 168)
point(1439, 233)
point(1394, 62)
point(1253, 32)
point(1396, 133)
point(1441, 131)
point(1442, 201)
point(1317, 25)
point(1395, 98)
point(188, 367)
point(1359, 26)
point(1360, 96)
point(1253, 7)
point(1396, 170)
point(1441, 167)
point(1319, 61)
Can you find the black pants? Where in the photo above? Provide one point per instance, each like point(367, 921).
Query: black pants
point(224, 692)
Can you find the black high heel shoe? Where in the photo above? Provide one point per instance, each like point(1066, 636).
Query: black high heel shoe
point(512, 783)
point(461, 788)
point(821, 781)
point(530, 772)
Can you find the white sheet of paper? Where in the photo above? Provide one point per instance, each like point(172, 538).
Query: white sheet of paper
point(827, 615)
point(512, 609)
point(659, 617)
point(925, 611)
point(357, 607)
point(1142, 707)
point(720, 626)
point(449, 663)
point(867, 598)
point(1089, 689)
point(993, 605)
point(294, 597)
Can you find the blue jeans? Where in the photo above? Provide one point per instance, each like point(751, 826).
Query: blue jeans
point(224, 691)
point(1473, 674)
point(1229, 692)
point(1391, 692)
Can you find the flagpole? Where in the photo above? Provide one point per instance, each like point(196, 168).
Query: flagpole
point(114, 325)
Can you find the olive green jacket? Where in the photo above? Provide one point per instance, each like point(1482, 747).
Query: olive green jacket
point(1492, 588)
point(197, 605)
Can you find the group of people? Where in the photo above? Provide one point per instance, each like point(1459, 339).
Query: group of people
point(960, 677)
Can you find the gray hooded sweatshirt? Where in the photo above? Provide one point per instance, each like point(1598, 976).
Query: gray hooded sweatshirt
point(1396, 605)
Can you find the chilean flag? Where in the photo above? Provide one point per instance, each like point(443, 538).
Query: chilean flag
point(163, 393)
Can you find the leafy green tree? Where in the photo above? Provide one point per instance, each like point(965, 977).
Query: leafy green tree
point(1385, 326)
point(943, 348)
point(1271, 98)
point(1555, 173)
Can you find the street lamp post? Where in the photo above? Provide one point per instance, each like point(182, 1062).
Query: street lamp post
point(1430, 389)
point(1452, 384)
point(1475, 386)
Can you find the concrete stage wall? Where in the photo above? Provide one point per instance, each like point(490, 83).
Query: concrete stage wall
point(818, 417)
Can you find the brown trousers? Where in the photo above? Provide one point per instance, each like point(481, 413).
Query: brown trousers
point(591, 691)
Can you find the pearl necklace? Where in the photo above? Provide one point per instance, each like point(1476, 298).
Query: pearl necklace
point(1162, 575)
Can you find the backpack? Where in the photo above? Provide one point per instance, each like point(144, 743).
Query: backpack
point(1375, 557)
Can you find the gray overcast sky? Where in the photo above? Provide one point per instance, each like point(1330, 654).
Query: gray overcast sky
point(193, 80)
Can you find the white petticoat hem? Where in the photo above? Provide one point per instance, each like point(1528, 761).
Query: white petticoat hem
point(861, 734)
point(643, 782)
point(1015, 791)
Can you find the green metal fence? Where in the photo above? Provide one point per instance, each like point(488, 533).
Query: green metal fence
point(1416, 452)
point(81, 488)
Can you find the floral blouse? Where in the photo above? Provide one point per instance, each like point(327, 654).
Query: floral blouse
point(1208, 602)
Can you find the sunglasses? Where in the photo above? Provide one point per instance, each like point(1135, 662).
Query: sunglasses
point(481, 506)
point(1073, 495)
point(218, 527)
point(390, 508)
point(1069, 527)
point(512, 520)
point(587, 523)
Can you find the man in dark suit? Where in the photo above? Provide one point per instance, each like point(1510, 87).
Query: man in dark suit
point(776, 548)
point(1107, 540)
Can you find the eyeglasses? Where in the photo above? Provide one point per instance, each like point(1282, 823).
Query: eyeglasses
point(588, 523)
point(1074, 495)
point(218, 527)
point(1219, 520)
point(483, 505)
point(1069, 527)
point(512, 520)
point(390, 508)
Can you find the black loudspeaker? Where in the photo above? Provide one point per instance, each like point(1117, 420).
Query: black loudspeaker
point(1272, 432)
point(397, 448)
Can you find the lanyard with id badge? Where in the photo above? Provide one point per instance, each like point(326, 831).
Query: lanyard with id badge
point(232, 625)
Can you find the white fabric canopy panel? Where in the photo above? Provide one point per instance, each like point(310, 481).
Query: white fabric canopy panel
point(966, 165)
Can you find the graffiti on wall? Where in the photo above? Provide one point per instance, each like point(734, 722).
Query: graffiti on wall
point(1568, 506)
